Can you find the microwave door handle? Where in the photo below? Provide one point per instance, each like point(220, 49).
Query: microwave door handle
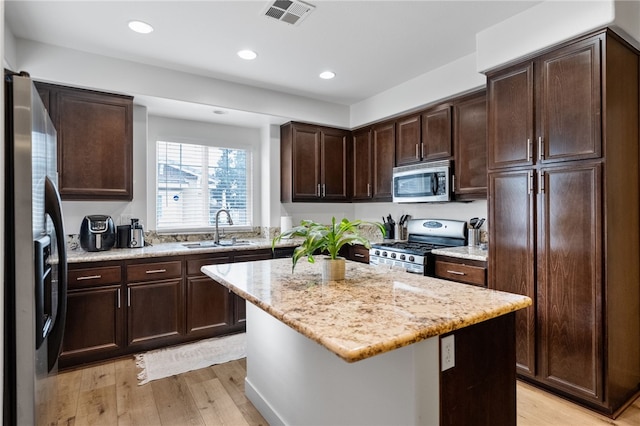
point(434, 184)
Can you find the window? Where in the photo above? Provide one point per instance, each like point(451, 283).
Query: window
point(195, 181)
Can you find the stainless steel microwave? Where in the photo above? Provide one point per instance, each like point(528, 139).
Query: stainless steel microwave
point(422, 183)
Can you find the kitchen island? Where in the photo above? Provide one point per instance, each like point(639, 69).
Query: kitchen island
point(385, 326)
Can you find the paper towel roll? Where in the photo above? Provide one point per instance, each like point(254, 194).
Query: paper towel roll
point(285, 223)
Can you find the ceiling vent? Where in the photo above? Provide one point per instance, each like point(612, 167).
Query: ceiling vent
point(290, 11)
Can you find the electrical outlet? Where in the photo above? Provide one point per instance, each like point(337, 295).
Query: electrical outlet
point(447, 352)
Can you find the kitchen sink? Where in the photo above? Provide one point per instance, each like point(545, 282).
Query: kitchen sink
point(222, 243)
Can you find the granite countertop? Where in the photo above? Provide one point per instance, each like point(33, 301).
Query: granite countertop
point(463, 252)
point(168, 249)
point(375, 310)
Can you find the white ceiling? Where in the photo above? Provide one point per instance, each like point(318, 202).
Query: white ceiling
point(370, 45)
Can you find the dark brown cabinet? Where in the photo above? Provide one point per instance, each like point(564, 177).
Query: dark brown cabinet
point(95, 314)
point(355, 252)
point(409, 148)
point(466, 271)
point(116, 308)
point(372, 163)
point(95, 142)
point(314, 163)
point(383, 138)
point(425, 136)
point(552, 105)
point(208, 302)
point(470, 146)
point(563, 141)
point(154, 302)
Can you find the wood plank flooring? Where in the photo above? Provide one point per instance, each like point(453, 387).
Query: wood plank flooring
point(108, 394)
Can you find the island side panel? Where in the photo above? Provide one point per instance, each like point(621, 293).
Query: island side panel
point(293, 380)
point(481, 388)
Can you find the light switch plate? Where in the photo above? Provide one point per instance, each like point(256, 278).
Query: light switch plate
point(447, 352)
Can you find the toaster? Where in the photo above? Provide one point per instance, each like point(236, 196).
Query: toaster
point(97, 233)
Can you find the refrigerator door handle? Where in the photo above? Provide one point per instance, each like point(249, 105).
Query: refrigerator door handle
point(53, 207)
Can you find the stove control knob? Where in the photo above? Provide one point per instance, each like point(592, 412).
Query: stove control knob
point(393, 255)
point(411, 258)
point(403, 257)
point(377, 252)
point(384, 254)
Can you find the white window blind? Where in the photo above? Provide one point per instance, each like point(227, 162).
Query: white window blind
point(195, 181)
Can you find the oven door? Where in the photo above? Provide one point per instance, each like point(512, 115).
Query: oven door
point(420, 185)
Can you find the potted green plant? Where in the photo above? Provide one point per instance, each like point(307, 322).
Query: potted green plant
point(326, 239)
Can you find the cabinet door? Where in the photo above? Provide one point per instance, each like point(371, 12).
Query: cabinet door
point(208, 311)
point(95, 144)
point(94, 325)
point(436, 133)
point(155, 311)
point(383, 137)
point(408, 142)
point(470, 136)
point(511, 255)
point(510, 117)
point(569, 279)
point(362, 157)
point(569, 103)
point(306, 163)
point(334, 178)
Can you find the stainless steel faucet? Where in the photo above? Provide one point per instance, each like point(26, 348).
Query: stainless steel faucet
point(216, 236)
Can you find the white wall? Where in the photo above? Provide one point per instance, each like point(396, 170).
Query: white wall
point(455, 78)
point(75, 68)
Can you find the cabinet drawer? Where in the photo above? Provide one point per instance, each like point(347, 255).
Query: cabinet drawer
point(194, 265)
point(154, 271)
point(461, 272)
point(92, 277)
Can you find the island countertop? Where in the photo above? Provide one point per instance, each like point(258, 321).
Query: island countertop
point(375, 310)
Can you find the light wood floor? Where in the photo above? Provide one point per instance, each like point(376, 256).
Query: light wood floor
point(108, 394)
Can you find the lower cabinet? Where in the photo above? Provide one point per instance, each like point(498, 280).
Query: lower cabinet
point(462, 270)
point(119, 307)
point(95, 317)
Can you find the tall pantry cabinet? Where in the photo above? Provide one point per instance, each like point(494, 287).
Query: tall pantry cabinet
point(564, 215)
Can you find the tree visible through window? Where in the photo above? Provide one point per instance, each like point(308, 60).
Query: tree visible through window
point(195, 181)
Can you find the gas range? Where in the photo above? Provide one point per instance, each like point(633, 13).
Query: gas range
point(424, 235)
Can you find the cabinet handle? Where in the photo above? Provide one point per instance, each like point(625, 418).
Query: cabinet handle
point(358, 255)
point(417, 155)
point(529, 149)
point(530, 182)
point(318, 190)
point(422, 150)
point(156, 271)
point(453, 183)
point(89, 277)
point(455, 272)
point(128, 296)
point(118, 298)
point(541, 182)
point(540, 148)
point(324, 190)
point(368, 190)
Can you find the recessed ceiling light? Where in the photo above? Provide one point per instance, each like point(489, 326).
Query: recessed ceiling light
point(247, 54)
point(219, 112)
point(327, 75)
point(140, 27)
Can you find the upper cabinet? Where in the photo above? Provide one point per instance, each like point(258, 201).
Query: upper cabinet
point(372, 161)
point(313, 161)
point(425, 136)
point(560, 93)
point(470, 146)
point(95, 142)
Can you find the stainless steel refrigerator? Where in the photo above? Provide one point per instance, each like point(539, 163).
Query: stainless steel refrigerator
point(35, 258)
